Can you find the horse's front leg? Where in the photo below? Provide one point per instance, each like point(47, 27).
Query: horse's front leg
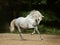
point(36, 28)
point(33, 31)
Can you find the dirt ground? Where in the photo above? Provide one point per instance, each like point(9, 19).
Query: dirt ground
point(14, 39)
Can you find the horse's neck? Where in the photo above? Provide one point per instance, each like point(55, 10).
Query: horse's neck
point(28, 16)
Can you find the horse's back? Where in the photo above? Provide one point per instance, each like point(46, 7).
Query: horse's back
point(20, 19)
point(21, 22)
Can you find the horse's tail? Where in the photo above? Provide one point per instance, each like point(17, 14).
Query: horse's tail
point(12, 25)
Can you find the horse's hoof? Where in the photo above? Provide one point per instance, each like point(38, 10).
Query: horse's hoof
point(41, 39)
point(23, 39)
point(32, 33)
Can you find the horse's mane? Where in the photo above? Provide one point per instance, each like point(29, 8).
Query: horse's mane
point(32, 12)
point(35, 12)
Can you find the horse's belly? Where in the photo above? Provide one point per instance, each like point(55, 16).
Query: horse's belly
point(23, 25)
point(30, 26)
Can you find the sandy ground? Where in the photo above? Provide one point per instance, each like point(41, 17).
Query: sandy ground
point(14, 39)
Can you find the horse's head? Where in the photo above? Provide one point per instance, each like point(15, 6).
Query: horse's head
point(37, 15)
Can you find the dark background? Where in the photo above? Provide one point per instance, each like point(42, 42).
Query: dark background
point(10, 9)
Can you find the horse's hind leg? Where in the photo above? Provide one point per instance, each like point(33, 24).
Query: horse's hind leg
point(20, 32)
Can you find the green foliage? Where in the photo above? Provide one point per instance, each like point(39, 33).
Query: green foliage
point(48, 30)
point(25, 13)
point(43, 1)
point(49, 15)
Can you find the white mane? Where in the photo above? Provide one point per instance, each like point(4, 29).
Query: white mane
point(35, 12)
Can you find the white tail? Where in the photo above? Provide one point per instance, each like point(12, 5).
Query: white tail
point(12, 25)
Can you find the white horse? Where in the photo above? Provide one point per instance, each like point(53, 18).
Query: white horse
point(30, 21)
